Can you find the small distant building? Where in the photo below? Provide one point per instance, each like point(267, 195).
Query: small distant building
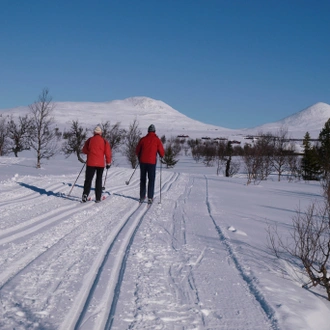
point(220, 139)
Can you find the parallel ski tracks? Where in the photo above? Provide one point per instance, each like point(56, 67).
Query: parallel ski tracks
point(105, 288)
point(30, 228)
point(40, 197)
point(96, 302)
point(94, 305)
point(101, 288)
point(28, 192)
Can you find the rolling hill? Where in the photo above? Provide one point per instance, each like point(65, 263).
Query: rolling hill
point(171, 122)
point(311, 119)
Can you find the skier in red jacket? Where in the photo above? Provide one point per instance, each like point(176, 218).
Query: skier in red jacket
point(98, 153)
point(147, 150)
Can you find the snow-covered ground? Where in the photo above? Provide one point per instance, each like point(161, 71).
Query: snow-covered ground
point(196, 259)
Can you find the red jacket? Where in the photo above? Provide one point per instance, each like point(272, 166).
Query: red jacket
point(148, 147)
point(97, 150)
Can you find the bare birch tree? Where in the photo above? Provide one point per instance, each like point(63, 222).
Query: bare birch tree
point(44, 138)
point(282, 152)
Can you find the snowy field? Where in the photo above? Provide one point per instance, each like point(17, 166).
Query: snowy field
point(196, 259)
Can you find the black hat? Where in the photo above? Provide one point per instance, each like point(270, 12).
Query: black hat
point(152, 128)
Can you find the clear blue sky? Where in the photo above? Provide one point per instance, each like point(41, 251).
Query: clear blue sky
point(234, 63)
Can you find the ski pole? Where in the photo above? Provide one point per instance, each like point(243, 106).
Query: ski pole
point(160, 183)
point(77, 178)
point(105, 179)
point(127, 182)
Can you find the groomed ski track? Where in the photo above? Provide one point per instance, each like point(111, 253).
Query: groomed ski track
point(121, 265)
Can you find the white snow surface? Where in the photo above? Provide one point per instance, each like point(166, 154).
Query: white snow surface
point(197, 258)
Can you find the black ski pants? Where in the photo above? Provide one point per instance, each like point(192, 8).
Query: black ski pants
point(90, 171)
point(150, 170)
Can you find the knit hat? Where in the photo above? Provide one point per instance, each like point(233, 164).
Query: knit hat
point(97, 130)
point(152, 128)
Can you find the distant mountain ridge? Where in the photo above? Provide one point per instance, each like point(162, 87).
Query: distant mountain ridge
point(317, 115)
point(169, 121)
point(145, 110)
point(311, 119)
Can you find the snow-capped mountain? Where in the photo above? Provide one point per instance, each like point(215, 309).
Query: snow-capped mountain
point(171, 122)
point(144, 109)
point(311, 119)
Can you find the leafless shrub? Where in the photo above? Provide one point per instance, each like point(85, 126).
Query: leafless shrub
point(308, 243)
point(176, 146)
point(132, 139)
point(197, 153)
point(209, 153)
point(259, 159)
point(19, 132)
point(74, 140)
point(220, 156)
point(253, 162)
point(114, 134)
point(4, 141)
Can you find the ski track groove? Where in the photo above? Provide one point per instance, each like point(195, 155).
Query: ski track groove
point(181, 279)
point(38, 223)
point(184, 299)
point(20, 265)
point(268, 310)
point(26, 195)
point(190, 276)
point(35, 225)
point(77, 319)
point(28, 259)
point(129, 225)
point(90, 296)
point(111, 316)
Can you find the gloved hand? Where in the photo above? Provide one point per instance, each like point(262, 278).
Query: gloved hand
point(108, 166)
